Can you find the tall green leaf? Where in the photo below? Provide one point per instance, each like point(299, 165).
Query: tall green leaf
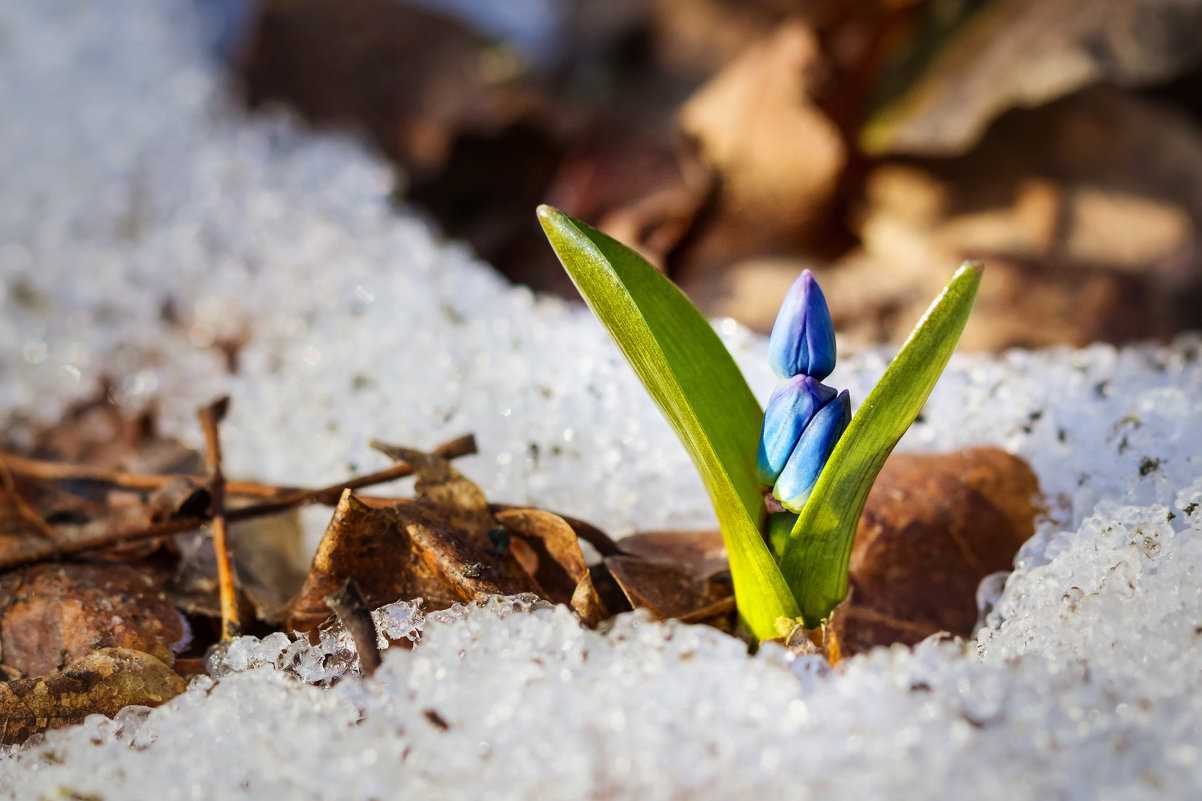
point(692, 377)
point(815, 560)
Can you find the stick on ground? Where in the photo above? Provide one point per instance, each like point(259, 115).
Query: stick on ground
point(210, 418)
point(351, 610)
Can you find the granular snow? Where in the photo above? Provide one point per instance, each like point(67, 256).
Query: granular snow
point(133, 187)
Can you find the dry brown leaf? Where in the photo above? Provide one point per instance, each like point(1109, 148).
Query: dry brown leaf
point(558, 563)
point(103, 682)
point(933, 527)
point(699, 553)
point(1087, 211)
point(51, 614)
point(778, 156)
point(402, 552)
point(1027, 52)
point(669, 591)
point(444, 487)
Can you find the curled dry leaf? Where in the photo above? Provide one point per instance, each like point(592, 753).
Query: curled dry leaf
point(677, 574)
point(51, 614)
point(103, 682)
point(445, 488)
point(558, 563)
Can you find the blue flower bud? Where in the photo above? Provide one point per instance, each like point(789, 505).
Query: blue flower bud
point(803, 337)
point(814, 447)
point(790, 409)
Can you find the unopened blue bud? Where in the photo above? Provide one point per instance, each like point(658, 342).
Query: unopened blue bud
point(803, 337)
point(814, 447)
point(790, 409)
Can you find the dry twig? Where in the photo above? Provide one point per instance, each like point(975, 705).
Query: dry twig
point(352, 612)
point(210, 418)
point(73, 539)
point(26, 512)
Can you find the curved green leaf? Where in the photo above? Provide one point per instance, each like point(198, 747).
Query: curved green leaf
point(815, 560)
point(692, 377)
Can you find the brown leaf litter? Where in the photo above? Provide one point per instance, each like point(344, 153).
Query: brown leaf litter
point(104, 682)
point(144, 575)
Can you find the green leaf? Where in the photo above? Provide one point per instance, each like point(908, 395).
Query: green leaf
point(697, 385)
point(816, 557)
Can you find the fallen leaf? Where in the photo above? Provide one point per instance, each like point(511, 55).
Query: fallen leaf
point(102, 682)
point(669, 591)
point(559, 567)
point(777, 155)
point(698, 553)
point(51, 614)
point(1087, 211)
point(401, 552)
point(934, 526)
point(1007, 53)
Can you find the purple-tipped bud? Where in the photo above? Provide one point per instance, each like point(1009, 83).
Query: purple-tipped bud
point(803, 337)
point(790, 409)
point(814, 447)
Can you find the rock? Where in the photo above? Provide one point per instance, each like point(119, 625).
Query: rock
point(101, 683)
point(51, 614)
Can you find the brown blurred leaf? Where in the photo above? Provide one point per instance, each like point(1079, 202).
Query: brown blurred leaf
point(1027, 52)
point(97, 432)
point(52, 613)
point(778, 156)
point(102, 683)
point(1088, 212)
point(99, 435)
point(270, 558)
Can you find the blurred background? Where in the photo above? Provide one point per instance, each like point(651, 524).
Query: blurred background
point(735, 142)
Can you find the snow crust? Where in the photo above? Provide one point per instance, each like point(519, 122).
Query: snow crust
point(134, 191)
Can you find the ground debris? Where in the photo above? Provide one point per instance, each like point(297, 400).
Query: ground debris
point(934, 526)
point(102, 682)
point(51, 614)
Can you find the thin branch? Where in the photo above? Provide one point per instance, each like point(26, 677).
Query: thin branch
point(210, 417)
point(73, 539)
point(46, 470)
point(24, 510)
